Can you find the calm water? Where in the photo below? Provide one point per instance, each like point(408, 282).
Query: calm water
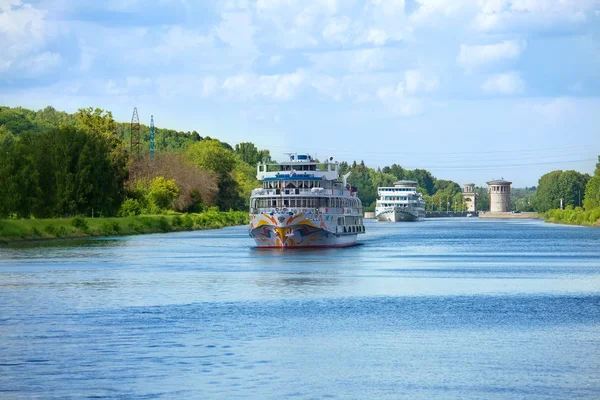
point(454, 308)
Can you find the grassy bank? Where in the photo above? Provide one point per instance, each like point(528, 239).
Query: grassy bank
point(574, 216)
point(12, 230)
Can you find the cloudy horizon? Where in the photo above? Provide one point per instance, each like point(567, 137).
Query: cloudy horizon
point(471, 90)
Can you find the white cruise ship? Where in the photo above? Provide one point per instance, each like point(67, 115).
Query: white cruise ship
point(300, 205)
point(400, 203)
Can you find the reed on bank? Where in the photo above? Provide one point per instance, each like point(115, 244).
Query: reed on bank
point(12, 230)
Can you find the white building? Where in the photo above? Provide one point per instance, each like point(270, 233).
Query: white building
point(470, 196)
point(499, 192)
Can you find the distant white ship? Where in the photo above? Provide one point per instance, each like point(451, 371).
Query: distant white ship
point(300, 205)
point(401, 202)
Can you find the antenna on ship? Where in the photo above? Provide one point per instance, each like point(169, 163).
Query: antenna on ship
point(345, 177)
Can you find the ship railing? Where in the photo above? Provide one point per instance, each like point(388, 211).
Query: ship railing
point(307, 210)
point(302, 192)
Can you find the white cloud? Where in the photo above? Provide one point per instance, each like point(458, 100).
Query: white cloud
point(387, 21)
point(555, 108)
point(365, 60)
point(296, 23)
point(24, 33)
point(250, 86)
point(328, 86)
point(430, 10)
point(114, 89)
point(274, 60)
point(396, 100)
point(484, 55)
point(530, 15)
point(189, 86)
point(378, 37)
point(506, 83)
point(336, 30)
point(402, 98)
point(6, 5)
point(417, 81)
point(237, 30)
point(177, 40)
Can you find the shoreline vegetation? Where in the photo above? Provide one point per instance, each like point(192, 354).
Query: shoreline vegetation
point(574, 216)
point(18, 230)
point(55, 165)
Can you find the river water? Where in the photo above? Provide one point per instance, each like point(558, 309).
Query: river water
point(446, 308)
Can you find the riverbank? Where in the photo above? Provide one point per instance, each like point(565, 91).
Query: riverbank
point(574, 216)
point(14, 230)
point(509, 215)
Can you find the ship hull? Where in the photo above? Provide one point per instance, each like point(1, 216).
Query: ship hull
point(300, 231)
point(399, 215)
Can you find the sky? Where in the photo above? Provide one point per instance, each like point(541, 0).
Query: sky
point(472, 90)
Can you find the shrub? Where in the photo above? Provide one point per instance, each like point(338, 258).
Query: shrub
point(50, 229)
point(35, 231)
point(79, 223)
point(147, 222)
point(130, 208)
point(176, 221)
point(162, 193)
point(135, 227)
point(163, 224)
point(187, 221)
point(594, 215)
point(61, 231)
point(111, 228)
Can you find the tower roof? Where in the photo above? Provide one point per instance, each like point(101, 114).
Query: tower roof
point(499, 182)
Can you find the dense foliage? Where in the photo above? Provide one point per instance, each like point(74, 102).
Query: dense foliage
point(556, 185)
point(590, 213)
point(55, 164)
point(61, 172)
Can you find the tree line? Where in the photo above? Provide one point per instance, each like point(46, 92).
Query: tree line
point(55, 164)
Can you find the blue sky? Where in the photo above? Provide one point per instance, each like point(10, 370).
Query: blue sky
point(470, 89)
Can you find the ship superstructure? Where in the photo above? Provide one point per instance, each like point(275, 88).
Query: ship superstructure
point(304, 203)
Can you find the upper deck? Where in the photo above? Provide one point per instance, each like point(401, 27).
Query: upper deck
point(299, 167)
point(400, 187)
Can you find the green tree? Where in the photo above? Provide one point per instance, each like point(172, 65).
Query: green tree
point(592, 190)
point(211, 156)
point(557, 185)
point(162, 193)
point(20, 193)
point(424, 177)
point(77, 174)
point(96, 121)
point(395, 170)
point(250, 154)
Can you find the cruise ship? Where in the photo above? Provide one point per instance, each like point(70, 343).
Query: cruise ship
point(401, 202)
point(300, 205)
